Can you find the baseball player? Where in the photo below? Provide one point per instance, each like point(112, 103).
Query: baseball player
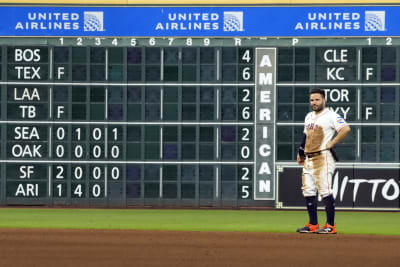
point(317, 156)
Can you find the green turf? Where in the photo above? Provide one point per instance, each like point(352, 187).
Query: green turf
point(378, 223)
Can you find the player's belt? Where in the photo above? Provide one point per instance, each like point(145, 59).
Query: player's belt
point(313, 154)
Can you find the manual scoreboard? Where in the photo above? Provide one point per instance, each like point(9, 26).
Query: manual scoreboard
point(89, 121)
point(187, 105)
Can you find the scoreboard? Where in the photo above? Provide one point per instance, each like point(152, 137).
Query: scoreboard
point(192, 106)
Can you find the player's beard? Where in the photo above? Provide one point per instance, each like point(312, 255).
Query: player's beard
point(317, 108)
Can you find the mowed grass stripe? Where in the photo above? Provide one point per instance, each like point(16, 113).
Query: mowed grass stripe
point(377, 223)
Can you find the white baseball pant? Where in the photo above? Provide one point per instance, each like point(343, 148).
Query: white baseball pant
point(317, 175)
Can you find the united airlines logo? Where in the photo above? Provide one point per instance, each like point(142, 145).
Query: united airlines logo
point(233, 21)
point(93, 21)
point(375, 21)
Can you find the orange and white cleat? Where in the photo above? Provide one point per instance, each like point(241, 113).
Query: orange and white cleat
point(327, 229)
point(308, 228)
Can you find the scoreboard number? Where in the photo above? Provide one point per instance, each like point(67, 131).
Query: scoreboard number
point(245, 152)
point(78, 190)
point(78, 172)
point(60, 172)
point(246, 56)
point(245, 192)
point(78, 151)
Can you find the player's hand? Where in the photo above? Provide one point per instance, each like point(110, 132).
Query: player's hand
point(300, 160)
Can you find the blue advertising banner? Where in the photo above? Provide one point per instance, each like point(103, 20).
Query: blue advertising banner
point(200, 21)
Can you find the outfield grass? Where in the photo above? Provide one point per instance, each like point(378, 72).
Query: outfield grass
point(377, 223)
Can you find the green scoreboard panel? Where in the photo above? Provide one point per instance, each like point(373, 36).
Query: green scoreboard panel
point(90, 120)
point(183, 120)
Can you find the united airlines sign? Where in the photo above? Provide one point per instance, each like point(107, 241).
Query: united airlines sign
point(199, 21)
point(343, 21)
point(60, 21)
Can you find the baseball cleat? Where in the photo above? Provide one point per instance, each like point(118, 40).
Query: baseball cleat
point(327, 229)
point(308, 228)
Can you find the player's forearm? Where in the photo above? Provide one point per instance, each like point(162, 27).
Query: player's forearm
point(342, 134)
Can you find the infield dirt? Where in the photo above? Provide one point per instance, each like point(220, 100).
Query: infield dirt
point(55, 247)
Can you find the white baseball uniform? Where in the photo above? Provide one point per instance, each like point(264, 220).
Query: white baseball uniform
point(319, 167)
